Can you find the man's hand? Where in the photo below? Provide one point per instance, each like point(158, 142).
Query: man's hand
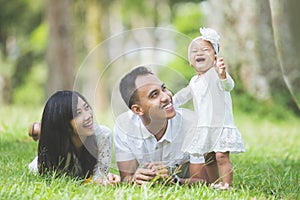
point(160, 168)
point(143, 175)
point(150, 171)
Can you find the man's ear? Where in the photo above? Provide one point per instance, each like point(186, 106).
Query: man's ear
point(137, 109)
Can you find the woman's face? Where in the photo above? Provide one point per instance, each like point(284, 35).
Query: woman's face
point(83, 123)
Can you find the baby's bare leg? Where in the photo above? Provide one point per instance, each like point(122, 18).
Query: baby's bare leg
point(225, 167)
point(212, 167)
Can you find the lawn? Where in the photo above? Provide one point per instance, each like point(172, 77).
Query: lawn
point(268, 170)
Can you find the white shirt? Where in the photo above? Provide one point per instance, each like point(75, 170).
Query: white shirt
point(134, 142)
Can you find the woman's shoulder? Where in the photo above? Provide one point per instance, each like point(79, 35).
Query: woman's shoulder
point(101, 130)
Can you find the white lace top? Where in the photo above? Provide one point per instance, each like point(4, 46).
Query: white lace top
point(104, 144)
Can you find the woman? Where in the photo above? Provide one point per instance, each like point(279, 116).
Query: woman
point(70, 142)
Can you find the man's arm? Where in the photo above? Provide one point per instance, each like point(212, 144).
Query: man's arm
point(127, 169)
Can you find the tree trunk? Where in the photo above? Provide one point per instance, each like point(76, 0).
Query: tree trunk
point(93, 66)
point(286, 25)
point(248, 47)
point(60, 54)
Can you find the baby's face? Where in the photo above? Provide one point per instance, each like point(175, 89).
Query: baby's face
point(201, 55)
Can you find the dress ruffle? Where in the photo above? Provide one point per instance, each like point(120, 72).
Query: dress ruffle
point(213, 139)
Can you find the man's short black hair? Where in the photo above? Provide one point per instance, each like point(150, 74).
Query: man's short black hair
point(127, 85)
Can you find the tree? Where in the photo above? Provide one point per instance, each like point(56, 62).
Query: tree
point(286, 26)
point(60, 54)
point(19, 22)
point(247, 44)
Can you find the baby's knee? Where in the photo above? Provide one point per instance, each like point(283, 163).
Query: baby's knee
point(222, 157)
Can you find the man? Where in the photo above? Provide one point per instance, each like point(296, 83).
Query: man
point(149, 137)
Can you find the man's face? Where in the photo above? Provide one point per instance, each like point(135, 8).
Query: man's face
point(155, 100)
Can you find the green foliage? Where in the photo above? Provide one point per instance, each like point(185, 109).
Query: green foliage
point(177, 75)
point(188, 18)
point(261, 109)
point(136, 11)
point(7, 16)
point(269, 169)
point(22, 41)
point(38, 38)
point(31, 92)
point(183, 67)
point(245, 103)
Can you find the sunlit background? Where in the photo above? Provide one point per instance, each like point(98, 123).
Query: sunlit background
point(88, 45)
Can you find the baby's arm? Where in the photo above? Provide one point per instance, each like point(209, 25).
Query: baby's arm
point(182, 96)
point(226, 82)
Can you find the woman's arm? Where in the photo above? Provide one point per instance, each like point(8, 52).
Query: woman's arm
point(104, 143)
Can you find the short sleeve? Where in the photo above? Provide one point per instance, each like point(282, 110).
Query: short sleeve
point(122, 149)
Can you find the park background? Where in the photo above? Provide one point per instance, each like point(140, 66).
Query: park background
point(49, 45)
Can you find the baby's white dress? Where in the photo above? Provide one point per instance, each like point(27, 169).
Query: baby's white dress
point(214, 129)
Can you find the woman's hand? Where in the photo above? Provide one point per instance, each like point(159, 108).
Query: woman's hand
point(110, 179)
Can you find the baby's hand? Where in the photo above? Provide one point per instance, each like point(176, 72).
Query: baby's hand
point(221, 68)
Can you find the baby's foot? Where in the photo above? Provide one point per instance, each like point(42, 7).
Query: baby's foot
point(221, 186)
point(225, 186)
point(216, 185)
point(34, 131)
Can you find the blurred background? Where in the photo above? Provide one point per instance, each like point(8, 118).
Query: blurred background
point(46, 45)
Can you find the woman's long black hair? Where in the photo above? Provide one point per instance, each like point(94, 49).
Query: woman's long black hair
point(56, 151)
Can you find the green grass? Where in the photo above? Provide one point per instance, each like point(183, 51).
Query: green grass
point(269, 169)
